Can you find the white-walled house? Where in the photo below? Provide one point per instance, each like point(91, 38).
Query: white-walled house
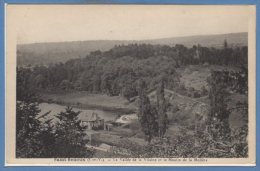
point(92, 122)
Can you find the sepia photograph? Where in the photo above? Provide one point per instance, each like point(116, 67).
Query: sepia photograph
point(130, 85)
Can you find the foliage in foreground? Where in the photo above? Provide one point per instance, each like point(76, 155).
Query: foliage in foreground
point(36, 138)
point(44, 140)
point(189, 146)
point(214, 138)
point(70, 138)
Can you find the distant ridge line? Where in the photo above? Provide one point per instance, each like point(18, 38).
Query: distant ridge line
point(129, 40)
point(54, 52)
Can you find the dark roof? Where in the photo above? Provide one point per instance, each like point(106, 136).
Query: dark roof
point(91, 118)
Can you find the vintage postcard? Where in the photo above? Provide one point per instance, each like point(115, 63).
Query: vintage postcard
point(130, 85)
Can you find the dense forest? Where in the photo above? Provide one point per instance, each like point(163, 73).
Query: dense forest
point(131, 70)
point(54, 52)
point(116, 71)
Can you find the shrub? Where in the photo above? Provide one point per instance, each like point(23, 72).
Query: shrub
point(196, 94)
point(204, 91)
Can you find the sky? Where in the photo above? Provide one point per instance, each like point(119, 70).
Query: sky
point(57, 23)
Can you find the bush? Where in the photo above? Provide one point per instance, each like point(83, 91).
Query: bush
point(204, 91)
point(196, 94)
point(191, 89)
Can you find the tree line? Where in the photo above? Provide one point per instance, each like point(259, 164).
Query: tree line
point(117, 71)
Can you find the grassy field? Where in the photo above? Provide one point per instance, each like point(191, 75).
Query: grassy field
point(87, 100)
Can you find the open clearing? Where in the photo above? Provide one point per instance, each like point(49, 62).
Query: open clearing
point(88, 98)
point(195, 76)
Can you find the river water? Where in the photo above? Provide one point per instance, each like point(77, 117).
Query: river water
point(55, 109)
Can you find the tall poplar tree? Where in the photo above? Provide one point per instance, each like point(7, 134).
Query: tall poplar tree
point(147, 114)
point(161, 110)
point(219, 114)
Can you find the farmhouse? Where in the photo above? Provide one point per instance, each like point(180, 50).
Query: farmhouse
point(92, 122)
